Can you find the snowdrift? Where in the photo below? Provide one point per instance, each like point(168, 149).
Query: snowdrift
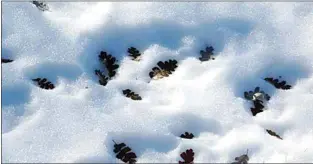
point(77, 120)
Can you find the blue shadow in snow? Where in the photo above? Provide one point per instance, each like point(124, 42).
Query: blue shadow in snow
point(52, 71)
point(6, 53)
point(16, 94)
point(289, 70)
point(116, 39)
point(186, 122)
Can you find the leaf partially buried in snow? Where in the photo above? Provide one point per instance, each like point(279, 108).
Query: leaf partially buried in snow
point(109, 63)
point(124, 153)
point(131, 94)
point(187, 135)
point(187, 156)
point(207, 54)
point(279, 85)
point(257, 94)
point(6, 60)
point(243, 159)
point(164, 69)
point(272, 133)
point(134, 53)
point(258, 97)
point(41, 5)
point(103, 80)
point(44, 83)
point(258, 107)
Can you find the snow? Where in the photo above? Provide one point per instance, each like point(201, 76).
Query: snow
point(77, 121)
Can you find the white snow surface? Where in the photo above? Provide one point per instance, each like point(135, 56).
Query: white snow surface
point(72, 123)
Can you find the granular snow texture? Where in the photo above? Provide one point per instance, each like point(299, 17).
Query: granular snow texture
point(78, 119)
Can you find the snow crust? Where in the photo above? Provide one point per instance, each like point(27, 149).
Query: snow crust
point(73, 123)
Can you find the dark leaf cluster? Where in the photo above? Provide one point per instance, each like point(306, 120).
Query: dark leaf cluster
point(124, 153)
point(41, 5)
point(6, 60)
point(44, 83)
point(279, 85)
point(109, 63)
point(134, 53)
point(272, 133)
point(103, 80)
point(257, 97)
point(187, 156)
point(164, 69)
point(130, 94)
point(207, 54)
point(187, 135)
